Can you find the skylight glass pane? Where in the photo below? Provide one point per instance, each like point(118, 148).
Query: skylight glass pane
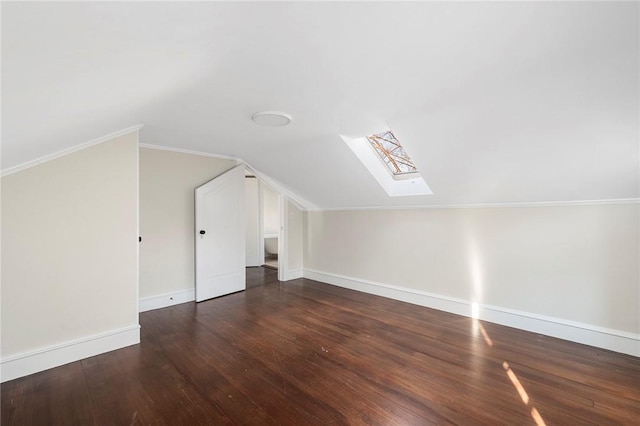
point(392, 153)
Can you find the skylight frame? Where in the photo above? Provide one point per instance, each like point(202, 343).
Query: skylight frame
point(402, 185)
point(392, 154)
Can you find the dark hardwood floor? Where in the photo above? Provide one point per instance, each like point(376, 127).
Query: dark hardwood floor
point(306, 353)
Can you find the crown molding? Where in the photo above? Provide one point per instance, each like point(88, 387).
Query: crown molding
point(298, 201)
point(489, 205)
point(70, 150)
point(190, 152)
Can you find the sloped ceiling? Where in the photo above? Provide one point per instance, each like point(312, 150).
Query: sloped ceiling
point(495, 102)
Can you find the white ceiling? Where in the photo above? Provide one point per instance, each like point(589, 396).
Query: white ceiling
point(496, 102)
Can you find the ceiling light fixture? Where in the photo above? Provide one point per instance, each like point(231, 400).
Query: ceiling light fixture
point(271, 118)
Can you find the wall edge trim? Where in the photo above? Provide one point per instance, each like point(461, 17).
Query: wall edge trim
point(70, 150)
point(26, 363)
point(294, 274)
point(300, 202)
point(165, 300)
point(487, 205)
point(188, 151)
point(588, 334)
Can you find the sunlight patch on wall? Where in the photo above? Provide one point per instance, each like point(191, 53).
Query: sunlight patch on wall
point(477, 284)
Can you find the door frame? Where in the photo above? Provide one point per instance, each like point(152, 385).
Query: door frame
point(260, 222)
point(256, 239)
point(283, 246)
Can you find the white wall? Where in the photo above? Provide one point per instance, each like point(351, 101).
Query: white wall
point(271, 210)
point(295, 235)
point(69, 264)
point(290, 245)
point(167, 183)
point(572, 263)
point(253, 231)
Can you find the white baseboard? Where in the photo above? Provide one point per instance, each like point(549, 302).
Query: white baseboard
point(601, 337)
point(42, 359)
point(166, 299)
point(294, 274)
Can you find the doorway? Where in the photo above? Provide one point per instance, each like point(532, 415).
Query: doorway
point(271, 226)
point(264, 224)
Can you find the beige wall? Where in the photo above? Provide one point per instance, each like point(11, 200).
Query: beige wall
point(295, 235)
point(69, 246)
point(577, 263)
point(167, 182)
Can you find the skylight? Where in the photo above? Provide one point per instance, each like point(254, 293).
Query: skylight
point(388, 163)
point(392, 153)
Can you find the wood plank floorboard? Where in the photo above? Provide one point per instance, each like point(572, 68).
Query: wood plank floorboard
point(307, 353)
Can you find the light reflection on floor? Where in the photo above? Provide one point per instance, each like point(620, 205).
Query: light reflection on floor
point(516, 383)
point(535, 414)
point(487, 339)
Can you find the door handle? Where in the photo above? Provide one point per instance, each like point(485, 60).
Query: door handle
point(202, 232)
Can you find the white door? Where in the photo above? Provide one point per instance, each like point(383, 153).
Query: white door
point(220, 240)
